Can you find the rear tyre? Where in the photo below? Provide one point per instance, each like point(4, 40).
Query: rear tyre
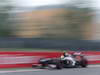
point(83, 63)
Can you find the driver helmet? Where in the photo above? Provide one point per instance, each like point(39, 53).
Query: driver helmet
point(66, 54)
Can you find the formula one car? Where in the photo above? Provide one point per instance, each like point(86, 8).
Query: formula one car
point(57, 63)
point(49, 63)
point(80, 59)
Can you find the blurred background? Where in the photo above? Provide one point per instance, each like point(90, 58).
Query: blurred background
point(50, 24)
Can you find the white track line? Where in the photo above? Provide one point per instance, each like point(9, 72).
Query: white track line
point(94, 66)
point(34, 70)
point(22, 70)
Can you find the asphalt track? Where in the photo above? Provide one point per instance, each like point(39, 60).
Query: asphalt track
point(70, 71)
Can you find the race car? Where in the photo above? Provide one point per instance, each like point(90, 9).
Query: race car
point(49, 63)
point(80, 59)
point(58, 63)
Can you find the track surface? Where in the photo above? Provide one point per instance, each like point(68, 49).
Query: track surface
point(69, 71)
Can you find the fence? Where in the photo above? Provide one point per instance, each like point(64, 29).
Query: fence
point(48, 43)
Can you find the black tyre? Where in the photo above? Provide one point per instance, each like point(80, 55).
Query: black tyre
point(59, 66)
point(58, 63)
point(83, 63)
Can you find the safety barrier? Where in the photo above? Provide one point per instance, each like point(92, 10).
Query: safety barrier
point(26, 59)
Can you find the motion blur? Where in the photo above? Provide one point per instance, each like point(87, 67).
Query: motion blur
point(56, 24)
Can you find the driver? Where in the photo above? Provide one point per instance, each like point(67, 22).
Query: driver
point(67, 56)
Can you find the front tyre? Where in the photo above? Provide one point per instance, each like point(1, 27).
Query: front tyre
point(59, 65)
point(56, 64)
